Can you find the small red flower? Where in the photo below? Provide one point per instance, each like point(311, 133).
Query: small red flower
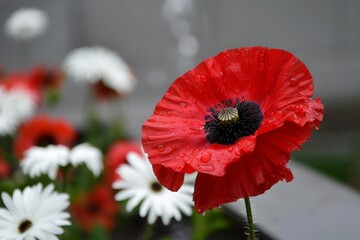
point(234, 119)
point(5, 169)
point(46, 78)
point(96, 207)
point(42, 131)
point(116, 155)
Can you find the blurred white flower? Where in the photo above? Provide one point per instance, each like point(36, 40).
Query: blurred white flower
point(139, 184)
point(26, 24)
point(16, 105)
point(34, 213)
point(44, 160)
point(89, 155)
point(96, 64)
point(47, 160)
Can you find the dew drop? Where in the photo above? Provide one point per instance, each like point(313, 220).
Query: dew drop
point(207, 168)
point(151, 120)
point(317, 128)
point(161, 148)
point(230, 149)
point(183, 104)
point(203, 78)
point(203, 214)
point(237, 151)
point(205, 157)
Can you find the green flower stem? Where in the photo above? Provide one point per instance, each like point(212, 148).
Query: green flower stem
point(250, 219)
point(149, 232)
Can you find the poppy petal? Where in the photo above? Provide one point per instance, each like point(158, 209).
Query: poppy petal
point(168, 177)
point(255, 172)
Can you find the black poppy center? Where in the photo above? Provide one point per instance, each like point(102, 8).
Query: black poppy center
point(231, 120)
point(24, 226)
point(45, 140)
point(156, 187)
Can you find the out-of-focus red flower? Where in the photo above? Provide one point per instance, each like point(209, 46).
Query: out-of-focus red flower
point(42, 131)
point(116, 155)
point(46, 78)
point(96, 207)
point(19, 80)
point(234, 119)
point(5, 169)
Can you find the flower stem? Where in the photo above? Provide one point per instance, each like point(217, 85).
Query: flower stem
point(149, 231)
point(250, 219)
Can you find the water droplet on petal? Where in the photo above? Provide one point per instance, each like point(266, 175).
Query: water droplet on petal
point(161, 148)
point(203, 214)
point(317, 128)
point(230, 149)
point(207, 168)
point(205, 157)
point(237, 151)
point(183, 104)
point(203, 78)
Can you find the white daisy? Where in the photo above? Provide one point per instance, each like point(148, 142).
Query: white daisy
point(34, 213)
point(95, 64)
point(139, 184)
point(16, 105)
point(89, 155)
point(44, 160)
point(26, 24)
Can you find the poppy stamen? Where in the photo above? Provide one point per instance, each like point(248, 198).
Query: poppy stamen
point(236, 119)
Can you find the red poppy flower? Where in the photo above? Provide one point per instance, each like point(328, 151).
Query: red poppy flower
point(116, 155)
point(18, 80)
point(42, 131)
point(234, 119)
point(96, 207)
point(45, 78)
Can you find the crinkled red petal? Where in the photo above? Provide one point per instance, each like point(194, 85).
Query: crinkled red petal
point(255, 172)
point(168, 177)
point(174, 136)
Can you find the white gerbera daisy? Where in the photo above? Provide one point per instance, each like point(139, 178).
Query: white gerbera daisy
point(95, 64)
point(26, 24)
point(35, 213)
point(89, 155)
point(44, 160)
point(16, 105)
point(138, 183)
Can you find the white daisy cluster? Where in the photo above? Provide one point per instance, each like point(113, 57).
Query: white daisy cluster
point(34, 213)
point(139, 184)
point(94, 64)
point(26, 24)
point(47, 160)
point(16, 105)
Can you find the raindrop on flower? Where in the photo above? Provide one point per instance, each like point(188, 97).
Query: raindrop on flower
point(161, 148)
point(207, 168)
point(205, 157)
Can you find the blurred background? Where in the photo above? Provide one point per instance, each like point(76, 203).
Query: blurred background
point(161, 39)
